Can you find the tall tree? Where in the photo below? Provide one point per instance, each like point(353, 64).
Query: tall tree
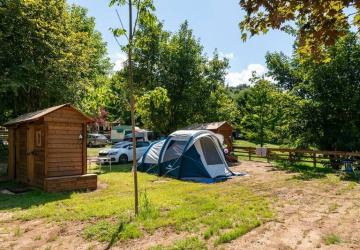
point(49, 54)
point(258, 111)
point(181, 74)
point(329, 111)
point(194, 83)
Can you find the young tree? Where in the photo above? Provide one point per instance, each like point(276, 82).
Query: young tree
point(259, 111)
point(144, 8)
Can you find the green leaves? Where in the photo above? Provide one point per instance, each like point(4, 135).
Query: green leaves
point(326, 96)
point(117, 2)
point(118, 32)
point(49, 54)
point(318, 24)
point(154, 109)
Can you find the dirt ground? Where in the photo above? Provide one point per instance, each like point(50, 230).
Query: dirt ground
point(308, 212)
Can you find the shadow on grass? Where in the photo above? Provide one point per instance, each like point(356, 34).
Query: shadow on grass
point(37, 197)
point(306, 172)
point(26, 200)
point(353, 177)
point(115, 236)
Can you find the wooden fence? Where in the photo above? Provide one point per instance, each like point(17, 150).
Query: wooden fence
point(294, 155)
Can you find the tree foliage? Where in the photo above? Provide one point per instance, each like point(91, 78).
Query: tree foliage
point(176, 63)
point(153, 108)
point(328, 116)
point(50, 53)
point(319, 22)
point(259, 106)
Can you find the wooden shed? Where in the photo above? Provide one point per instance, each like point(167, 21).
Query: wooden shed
point(224, 128)
point(47, 149)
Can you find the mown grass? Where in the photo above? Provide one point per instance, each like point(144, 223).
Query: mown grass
point(193, 243)
point(214, 213)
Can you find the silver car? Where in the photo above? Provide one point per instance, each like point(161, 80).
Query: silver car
point(97, 140)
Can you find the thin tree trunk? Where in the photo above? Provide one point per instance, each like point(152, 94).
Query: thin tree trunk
point(132, 108)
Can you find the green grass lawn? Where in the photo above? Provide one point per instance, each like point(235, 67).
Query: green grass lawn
point(209, 213)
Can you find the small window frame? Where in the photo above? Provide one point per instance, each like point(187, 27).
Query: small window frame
point(38, 138)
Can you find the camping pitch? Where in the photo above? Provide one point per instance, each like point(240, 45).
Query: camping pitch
point(187, 155)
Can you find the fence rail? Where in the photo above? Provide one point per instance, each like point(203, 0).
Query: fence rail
point(294, 155)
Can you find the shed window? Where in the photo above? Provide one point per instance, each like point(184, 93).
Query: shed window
point(38, 138)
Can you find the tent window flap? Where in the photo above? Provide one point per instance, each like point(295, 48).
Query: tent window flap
point(174, 150)
point(210, 152)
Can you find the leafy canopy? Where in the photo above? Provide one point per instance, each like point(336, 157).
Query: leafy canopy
point(328, 113)
point(50, 53)
point(320, 22)
point(194, 84)
point(153, 108)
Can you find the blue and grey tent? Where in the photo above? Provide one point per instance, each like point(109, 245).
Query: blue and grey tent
point(187, 155)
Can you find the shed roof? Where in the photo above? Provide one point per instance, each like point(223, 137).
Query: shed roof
point(212, 125)
point(40, 113)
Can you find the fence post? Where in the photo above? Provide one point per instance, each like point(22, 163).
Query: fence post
point(249, 154)
point(268, 155)
point(290, 158)
point(314, 159)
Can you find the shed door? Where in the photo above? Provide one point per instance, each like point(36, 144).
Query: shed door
point(21, 154)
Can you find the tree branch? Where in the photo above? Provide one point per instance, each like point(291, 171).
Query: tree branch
point(117, 41)
point(137, 16)
point(122, 25)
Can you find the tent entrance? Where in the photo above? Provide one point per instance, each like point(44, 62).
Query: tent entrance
point(211, 156)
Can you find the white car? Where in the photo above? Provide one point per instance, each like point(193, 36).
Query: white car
point(122, 152)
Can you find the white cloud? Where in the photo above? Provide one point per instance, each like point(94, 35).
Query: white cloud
point(243, 77)
point(119, 61)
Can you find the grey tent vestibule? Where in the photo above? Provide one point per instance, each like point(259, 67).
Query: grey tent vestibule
point(187, 155)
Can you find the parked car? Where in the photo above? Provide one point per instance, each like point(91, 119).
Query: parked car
point(97, 140)
point(122, 152)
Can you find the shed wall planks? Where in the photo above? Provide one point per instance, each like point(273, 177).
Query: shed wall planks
point(65, 151)
point(49, 151)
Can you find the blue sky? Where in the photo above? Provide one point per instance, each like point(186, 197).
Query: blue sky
point(214, 22)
